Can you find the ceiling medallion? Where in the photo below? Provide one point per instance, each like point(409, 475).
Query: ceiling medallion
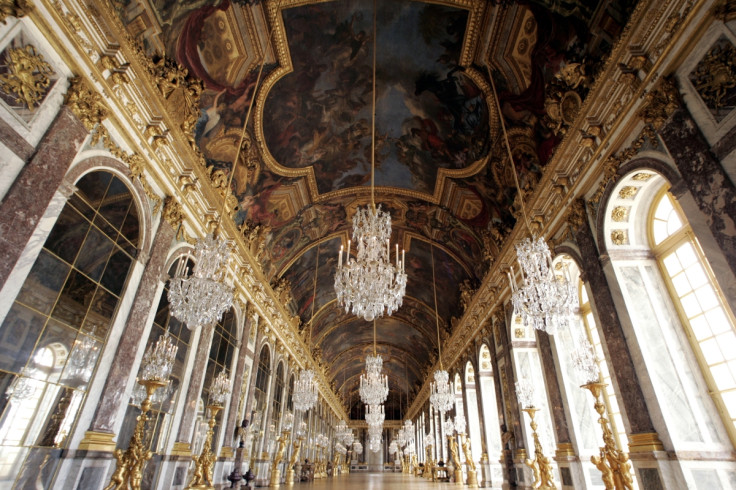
point(370, 283)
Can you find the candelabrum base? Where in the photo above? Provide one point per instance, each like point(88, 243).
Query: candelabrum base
point(472, 479)
point(459, 476)
point(275, 478)
point(290, 476)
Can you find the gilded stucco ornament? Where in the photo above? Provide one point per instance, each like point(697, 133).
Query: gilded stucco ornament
point(660, 103)
point(14, 8)
point(620, 214)
point(619, 237)
point(85, 103)
point(628, 192)
point(715, 75)
point(28, 75)
point(172, 212)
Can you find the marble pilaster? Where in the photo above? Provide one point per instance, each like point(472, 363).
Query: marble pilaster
point(186, 426)
point(29, 196)
point(112, 397)
point(705, 177)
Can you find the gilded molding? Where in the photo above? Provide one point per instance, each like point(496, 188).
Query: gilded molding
point(28, 75)
point(172, 212)
point(14, 8)
point(660, 103)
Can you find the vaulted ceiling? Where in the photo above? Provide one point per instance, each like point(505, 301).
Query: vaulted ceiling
point(441, 168)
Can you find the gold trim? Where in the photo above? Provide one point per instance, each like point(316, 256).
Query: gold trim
point(181, 449)
point(645, 442)
point(565, 450)
point(98, 441)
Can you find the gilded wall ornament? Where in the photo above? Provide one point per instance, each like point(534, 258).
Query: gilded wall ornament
point(620, 237)
point(714, 77)
point(628, 192)
point(86, 104)
point(14, 8)
point(28, 75)
point(660, 103)
point(172, 212)
point(576, 216)
point(620, 214)
point(642, 176)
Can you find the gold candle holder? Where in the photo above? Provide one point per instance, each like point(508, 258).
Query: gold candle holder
point(613, 463)
point(204, 464)
point(428, 463)
point(292, 461)
point(277, 457)
point(540, 466)
point(130, 463)
point(452, 445)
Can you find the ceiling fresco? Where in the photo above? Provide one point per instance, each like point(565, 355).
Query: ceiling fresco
point(441, 167)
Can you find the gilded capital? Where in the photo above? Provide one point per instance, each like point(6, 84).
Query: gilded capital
point(85, 103)
point(576, 215)
point(172, 212)
point(14, 8)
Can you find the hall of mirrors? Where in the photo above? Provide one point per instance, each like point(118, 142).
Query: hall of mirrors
point(131, 130)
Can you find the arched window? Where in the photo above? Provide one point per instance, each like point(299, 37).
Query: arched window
point(473, 417)
point(290, 396)
point(278, 396)
point(51, 338)
point(485, 381)
point(262, 376)
point(699, 301)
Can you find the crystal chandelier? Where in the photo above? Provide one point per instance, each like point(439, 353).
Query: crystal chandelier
point(342, 431)
point(460, 423)
point(220, 389)
point(375, 415)
point(441, 398)
point(159, 359)
point(525, 393)
point(305, 391)
point(202, 298)
point(370, 284)
point(408, 432)
point(357, 447)
point(401, 438)
point(544, 300)
point(373, 384)
point(584, 361)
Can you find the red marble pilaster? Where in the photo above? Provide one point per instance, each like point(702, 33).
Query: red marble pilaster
point(30, 194)
point(195, 385)
point(113, 393)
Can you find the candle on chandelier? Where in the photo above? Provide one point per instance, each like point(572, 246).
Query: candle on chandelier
point(339, 257)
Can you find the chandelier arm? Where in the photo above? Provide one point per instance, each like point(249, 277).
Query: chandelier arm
point(436, 314)
point(269, 47)
point(373, 116)
point(511, 156)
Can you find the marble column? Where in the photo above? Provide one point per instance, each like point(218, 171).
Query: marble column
point(565, 454)
point(183, 444)
point(705, 177)
point(30, 194)
point(231, 439)
point(109, 412)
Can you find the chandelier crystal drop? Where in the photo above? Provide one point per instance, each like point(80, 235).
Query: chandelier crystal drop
point(202, 298)
point(370, 284)
point(373, 384)
point(584, 361)
point(159, 359)
point(441, 398)
point(305, 391)
point(544, 300)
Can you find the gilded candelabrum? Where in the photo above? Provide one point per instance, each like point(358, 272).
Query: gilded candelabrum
point(452, 445)
point(318, 463)
point(292, 460)
point(204, 463)
point(130, 463)
point(613, 463)
point(277, 457)
point(428, 462)
point(543, 477)
point(472, 473)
